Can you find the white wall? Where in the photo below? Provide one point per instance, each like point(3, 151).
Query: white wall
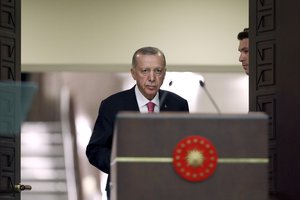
point(102, 35)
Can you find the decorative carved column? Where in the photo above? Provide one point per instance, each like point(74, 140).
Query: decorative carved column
point(10, 68)
point(274, 81)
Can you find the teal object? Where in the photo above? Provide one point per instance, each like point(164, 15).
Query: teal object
point(15, 102)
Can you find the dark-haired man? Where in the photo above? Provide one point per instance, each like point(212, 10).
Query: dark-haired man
point(243, 37)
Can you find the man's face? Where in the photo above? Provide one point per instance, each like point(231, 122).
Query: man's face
point(149, 74)
point(244, 54)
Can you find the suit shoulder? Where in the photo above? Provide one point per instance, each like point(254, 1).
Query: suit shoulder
point(172, 95)
point(119, 96)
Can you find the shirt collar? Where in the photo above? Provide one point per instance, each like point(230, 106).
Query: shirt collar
point(142, 101)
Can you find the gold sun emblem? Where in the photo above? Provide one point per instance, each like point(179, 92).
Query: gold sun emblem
point(195, 158)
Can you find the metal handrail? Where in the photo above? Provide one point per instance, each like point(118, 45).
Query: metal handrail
point(70, 147)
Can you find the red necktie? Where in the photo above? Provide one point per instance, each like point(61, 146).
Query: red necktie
point(150, 106)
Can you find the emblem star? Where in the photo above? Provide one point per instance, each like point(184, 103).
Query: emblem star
point(195, 158)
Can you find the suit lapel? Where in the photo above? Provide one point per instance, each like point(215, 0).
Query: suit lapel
point(131, 101)
point(162, 100)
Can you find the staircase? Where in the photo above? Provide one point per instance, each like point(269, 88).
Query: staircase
point(43, 162)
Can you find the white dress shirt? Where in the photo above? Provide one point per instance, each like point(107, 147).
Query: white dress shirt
point(142, 101)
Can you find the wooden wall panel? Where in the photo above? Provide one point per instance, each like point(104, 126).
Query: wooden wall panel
point(10, 70)
point(262, 91)
point(274, 80)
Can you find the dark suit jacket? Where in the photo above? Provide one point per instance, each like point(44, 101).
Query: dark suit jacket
point(99, 148)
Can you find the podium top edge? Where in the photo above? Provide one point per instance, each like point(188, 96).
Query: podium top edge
point(179, 115)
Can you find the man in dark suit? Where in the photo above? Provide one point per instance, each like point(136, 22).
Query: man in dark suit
point(149, 70)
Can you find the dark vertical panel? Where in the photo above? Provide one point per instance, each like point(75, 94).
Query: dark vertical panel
point(10, 40)
point(10, 68)
point(274, 81)
point(262, 91)
point(288, 112)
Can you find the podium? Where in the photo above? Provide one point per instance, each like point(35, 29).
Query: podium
point(142, 156)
